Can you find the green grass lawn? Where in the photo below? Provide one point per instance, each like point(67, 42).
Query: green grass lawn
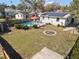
point(2, 20)
point(75, 51)
point(29, 42)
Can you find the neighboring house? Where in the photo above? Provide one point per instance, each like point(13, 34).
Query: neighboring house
point(56, 18)
point(2, 15)
point(20, 15)
point(9, 12)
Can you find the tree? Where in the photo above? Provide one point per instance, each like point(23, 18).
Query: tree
point(34, 4)
point(52, 7)
point(49, 7)
point(20, 7)
point(2, 6)
point(56, 6)
point(13, 6)
point(64, 8)
point(75, 7)
point(42, 8)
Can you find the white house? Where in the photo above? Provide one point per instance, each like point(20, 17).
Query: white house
point(56, 18)
point(20, 15)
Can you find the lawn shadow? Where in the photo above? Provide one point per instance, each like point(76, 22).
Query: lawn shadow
point(2, 33)
point(72, 25)
point(9, 49)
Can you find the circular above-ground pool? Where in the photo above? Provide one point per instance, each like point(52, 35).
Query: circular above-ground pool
point(49, 32)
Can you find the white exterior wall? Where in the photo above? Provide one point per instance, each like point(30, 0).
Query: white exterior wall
point(20, 16)
point(45, 19)
point(53, 21)
point(60, 22)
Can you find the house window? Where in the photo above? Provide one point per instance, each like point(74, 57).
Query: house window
point(57, 19)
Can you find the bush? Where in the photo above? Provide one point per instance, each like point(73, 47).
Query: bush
point(48, 23)
point(18, 26)
point(25, 27)
point(13, 22)
point(35, 26)
point(58, 25)
point(1, 17)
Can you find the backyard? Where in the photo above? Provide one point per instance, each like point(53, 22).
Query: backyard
point(29, 42)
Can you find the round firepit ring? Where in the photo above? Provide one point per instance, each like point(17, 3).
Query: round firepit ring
point(49, 32)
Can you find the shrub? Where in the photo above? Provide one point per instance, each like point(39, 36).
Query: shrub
point(58, 25)
point(25, 27)
point(1, 17)
point(48, 23)
point(13, 22)
point(35, 26)
point(18, 26)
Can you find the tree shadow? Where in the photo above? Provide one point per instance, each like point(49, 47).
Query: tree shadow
point(2, 33)
point(6, 28)
point(72, 25)
point(9, 49)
